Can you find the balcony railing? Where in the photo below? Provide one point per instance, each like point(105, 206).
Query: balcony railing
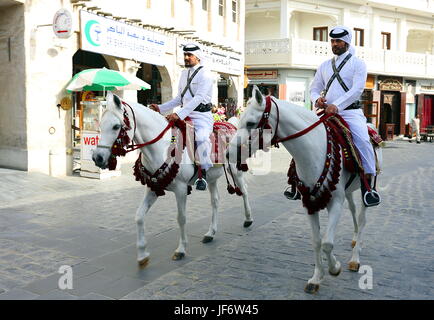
point(300, 53)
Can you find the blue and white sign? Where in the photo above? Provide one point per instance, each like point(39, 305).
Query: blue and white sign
point(215, 60)
point(114, 38)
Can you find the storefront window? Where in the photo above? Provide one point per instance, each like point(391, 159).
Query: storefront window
point(83, 60)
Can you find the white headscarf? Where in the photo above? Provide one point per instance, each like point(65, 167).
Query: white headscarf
point(343, 33)
point(194, 49)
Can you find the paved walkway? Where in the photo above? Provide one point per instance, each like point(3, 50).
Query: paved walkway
point(89, 224)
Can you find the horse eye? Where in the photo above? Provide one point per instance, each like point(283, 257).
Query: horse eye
point(116, 127)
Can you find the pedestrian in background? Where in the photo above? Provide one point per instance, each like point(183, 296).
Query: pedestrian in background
point(415, 128)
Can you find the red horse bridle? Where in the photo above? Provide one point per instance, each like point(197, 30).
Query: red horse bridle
point(121, 145)
point(264, 123)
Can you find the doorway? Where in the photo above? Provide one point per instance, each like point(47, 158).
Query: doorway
point(390, 119)
point(151, 75)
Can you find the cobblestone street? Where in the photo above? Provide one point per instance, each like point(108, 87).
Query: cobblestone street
point(89, 224)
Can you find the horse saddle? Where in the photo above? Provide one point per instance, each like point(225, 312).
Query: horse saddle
point(341, 135)
point(220, 137)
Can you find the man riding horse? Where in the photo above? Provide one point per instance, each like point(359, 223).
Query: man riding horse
point(194, 95)
point(337, 86)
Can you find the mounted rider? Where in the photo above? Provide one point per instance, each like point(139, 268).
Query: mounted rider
point(194, 97)
point(337, 86)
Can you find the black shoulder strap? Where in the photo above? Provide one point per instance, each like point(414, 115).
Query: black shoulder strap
point(187, 87)
point(336, 74)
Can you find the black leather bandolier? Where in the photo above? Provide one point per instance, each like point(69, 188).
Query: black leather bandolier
point(336, 75)
point(201, 107)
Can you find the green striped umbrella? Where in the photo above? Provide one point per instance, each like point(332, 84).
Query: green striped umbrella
point(105, 80)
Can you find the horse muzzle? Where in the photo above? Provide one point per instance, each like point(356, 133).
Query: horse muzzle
point(99, 159)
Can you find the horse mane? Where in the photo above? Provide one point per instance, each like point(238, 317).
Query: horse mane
point(155, 116)
point(305, 114)
point(308, 116)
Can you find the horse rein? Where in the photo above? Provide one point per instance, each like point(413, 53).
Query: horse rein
point(264, 123)
point(120, 142)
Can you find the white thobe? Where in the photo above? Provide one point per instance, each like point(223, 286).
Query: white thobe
point(354, 75)
point(202, 88)
point(415, 126)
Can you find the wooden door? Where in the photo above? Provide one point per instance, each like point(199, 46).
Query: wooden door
point(402, 113)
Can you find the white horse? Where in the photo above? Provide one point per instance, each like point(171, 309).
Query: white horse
point(309, 153)
point(149, 124)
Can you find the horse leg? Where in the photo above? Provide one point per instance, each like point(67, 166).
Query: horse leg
point(239, 180)
point(352, 207)
point(354, 263)
point(181, 200)
point(335, 210)
point(214, 192)
point(314, 282)
point(148, 201)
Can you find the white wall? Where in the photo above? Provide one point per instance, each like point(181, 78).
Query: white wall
point(13, 115)
point(305, 22)
point(256, 29)
point(420, 41)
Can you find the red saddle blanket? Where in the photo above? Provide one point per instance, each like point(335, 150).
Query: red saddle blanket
point(220, 137)
point(341, 134)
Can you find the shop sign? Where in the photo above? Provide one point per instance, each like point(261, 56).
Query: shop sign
point(89, 142)
point(262, 74)
point(62, 24)
point(427, 87)
point(106, 36)
point(66, 103)
point(390, 84)
point(216, 60)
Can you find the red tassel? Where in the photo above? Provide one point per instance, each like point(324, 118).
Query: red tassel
point(244, 167)
point(238, 191)
point(230, 189)
point(112, 163)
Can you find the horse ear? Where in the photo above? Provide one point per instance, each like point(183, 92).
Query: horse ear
point(257, 94)
point(112, 98)
point(117, 101)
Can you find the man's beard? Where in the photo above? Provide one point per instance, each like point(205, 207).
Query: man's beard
point(339, 51)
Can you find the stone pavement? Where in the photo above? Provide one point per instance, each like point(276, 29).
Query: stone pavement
point(89, 224)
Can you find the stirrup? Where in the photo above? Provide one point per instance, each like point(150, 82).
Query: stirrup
point(372, 198)
point(291, 195)
point(201, 184)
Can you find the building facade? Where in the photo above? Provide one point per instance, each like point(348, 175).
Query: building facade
point(286, 40)
point(41, 123)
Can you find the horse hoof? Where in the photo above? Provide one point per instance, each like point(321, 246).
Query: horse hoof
point(207, 239)
point(337, 273)
point(144, 262)
point(354, 266)
point(247, 224)
point(178, 256)
point(353, 243)
point(311, 288)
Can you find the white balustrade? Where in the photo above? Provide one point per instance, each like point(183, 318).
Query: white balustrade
point(275, 51)
point(310, 54)
point(374, 58)
point(430, 65)
point(406, 63)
